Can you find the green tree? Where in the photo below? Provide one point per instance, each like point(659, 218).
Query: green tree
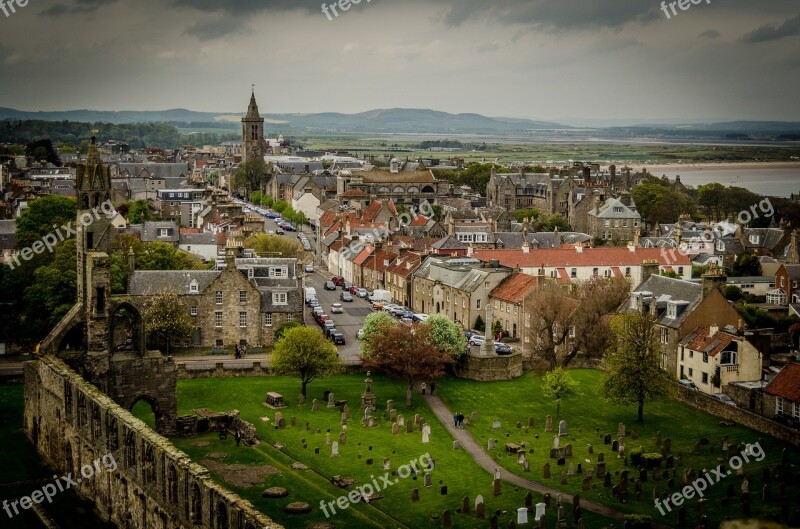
point(139, 212)
point(522, 214)
point(633, 363)
point(283, 327)
point(274, 245)
point(648, 195)
point(557, 385)
point(497, 328)
point(745, 266)
point(280, 206)
point(374, 324)
point(447, 335)
point(250, 175)
point(304, 353)
point(42, 213)
point(480, 325)
point(551, 222)
point(711, 197)
point(166, 317)
point(52, 293)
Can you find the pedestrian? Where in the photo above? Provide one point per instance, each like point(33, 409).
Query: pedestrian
point(433, 388)
point(422, 387)
point(455, 420)
point(461, 420)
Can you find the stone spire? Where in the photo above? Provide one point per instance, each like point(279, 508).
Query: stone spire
point(252, 108)
point(253, 144)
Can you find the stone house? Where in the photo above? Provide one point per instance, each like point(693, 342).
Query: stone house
point(374, 268)
point(614, 220)
point(787, 285)
point(398, 276)
point(713, 358)
point(782, 394)
point(513, 191)
point(679, 307)
point(508, 300)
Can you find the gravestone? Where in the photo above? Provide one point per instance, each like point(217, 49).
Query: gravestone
point(335, 449)
point(561, 461)
point(522, 515)
point(548, 424)
point(590, 449)
point(328, 439)
point(346, 410)
point(607, 439)
point(401, 420)
point(393, 415)
point(496, 425)
point(315, 405)
point(607, 479)
point(443, 490)
point(546, 473)
point(601, 457)
point(480, 511)
point(493, 522)
point(386, 464)
point(547, 499)
point(586, 483)
point(456, 445)
point(414, 495)
point(428, 480)
point(601, 469)
point(621, 430)
point(371, 422)
point(417, 417)
point(571, 469)
point(530, 422)
point(520, 457)
point(331, 400)
point(540, 510)
point(389, 405)
point(562, 428)
point(301, 399)
point(568, 450)
point(496, 487)
point(465, 505)
point(490, 443)
point(615, 446)
point(409, 427)
point(667, 445)
point(526, 466)
point(556, 441)
point(395, 429)
point(564, 478)
point(344, 419)
point(342, 438)
point(446, 521)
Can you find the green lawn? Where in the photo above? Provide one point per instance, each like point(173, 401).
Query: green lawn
point(589, 417)
point(454, 469)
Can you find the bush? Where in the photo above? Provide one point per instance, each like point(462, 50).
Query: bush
point(637, 521)
point(636, 456)
point(651, 460)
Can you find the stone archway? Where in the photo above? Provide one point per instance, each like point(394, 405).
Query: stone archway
point(74, 339)
point(126, 329)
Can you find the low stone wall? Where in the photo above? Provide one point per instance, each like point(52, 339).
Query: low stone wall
point(535, 363)
point(739, 415)
point(74, 426)
point(236, 368)
point(488, 368)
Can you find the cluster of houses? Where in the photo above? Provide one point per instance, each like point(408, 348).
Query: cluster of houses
point(390, 224)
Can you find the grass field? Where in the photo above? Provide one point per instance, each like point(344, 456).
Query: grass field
point(455, 469)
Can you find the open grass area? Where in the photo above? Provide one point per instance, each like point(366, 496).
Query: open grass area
point(453, 468)
point(589, 418)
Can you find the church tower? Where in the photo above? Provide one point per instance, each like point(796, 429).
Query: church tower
point(253, 144)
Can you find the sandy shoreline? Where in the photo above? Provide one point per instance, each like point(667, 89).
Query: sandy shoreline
point(726, 166)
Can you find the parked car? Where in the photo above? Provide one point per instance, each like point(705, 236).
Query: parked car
point(328, 330)
point(322, 318)
point(336, 308)
point(419, 317)
point(469, 334)
point(309, 268)
point(337, 280)
point(476, 339)
point(502, 349)
point(787, 420)
point(377, 305)
point(345, 296)
point(313, 303)
point(326, 326)
point(316, 311)
point(361, 292)
point(724, 398)
point(330, 285)
point(289, 227)
point(338, 338)
point(687, 383)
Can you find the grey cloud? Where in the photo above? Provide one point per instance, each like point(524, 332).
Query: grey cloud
point(710, 34)
point(215, 29)
point(249, 7)
point(768, 32)
point(80, 6)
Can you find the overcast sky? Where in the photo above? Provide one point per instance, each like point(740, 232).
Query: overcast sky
point(540, 59)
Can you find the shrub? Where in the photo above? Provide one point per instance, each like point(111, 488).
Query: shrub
point(651, 460)
point(637, 521)
point(636, 456)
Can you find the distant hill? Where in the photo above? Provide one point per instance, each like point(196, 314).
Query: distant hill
point(382, 120)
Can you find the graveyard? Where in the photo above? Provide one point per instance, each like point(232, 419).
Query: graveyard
point(304, 445)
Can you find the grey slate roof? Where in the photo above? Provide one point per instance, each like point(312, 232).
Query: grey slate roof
point(294, 302)
point(198, 238)
point(665, 289)
point(150, 231)
point(155, 170)
point(448, 243)
point(8, 237)
point(151, 282)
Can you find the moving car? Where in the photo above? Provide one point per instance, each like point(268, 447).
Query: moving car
point(345, 296)
point(309, 268)
point(336, 308)
point(330, 285)
point(377, 305)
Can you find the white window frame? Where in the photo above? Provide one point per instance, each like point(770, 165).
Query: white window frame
point(193, 310)
point(217, 319)
point(279, 298)
point(218, 297)
point(242, 319)
point(242, 296)
point(267, 319)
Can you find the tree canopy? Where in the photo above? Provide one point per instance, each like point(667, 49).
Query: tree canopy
point(166, 317)
point(447, 335)
point(633, 363)
point(303, 352)
point(557, 385)
point(42, 213)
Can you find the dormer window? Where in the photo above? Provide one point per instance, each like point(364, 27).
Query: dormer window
point(672, 310)
point(720, 246)
point(194, 287)
point(754, 239)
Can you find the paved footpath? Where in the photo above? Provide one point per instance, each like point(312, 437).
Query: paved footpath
point(485, 461)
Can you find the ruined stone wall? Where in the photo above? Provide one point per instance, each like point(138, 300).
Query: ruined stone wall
point(155, 485)
point(506, 367)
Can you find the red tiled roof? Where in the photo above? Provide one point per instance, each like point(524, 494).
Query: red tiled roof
point(616, 271)
point(704, 341)
point(419, 220)
point(515, 287)
point(190, 230)
point(354, 193)
point(366, 252)
point(378, 258)
point(558, 257)
point(786, 384)
point(563, 276)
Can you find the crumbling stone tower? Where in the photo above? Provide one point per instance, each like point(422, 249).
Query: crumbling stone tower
point(102, 337)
